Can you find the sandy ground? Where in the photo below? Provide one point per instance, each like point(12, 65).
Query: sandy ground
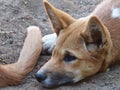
point(16, 15)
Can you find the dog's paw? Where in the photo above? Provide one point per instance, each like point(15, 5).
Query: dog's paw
point(48, 42)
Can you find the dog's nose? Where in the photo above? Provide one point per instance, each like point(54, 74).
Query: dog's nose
point(40, 76)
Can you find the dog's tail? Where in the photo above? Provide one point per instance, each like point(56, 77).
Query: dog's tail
point(13, 74)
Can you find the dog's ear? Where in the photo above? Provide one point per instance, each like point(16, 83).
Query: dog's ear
point(58, 18)
point(94, 35)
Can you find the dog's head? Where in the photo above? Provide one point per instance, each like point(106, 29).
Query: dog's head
point(80, 51)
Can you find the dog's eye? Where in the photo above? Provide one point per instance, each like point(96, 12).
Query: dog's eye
point(69, 58)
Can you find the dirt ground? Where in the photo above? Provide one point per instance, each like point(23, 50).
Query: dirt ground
point(16, 15)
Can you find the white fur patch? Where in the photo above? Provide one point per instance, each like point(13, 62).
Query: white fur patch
point(49, 42)
point(30, 28)
point(115, 12)
point(78, 76)
point(50, 37)
point(92, 47)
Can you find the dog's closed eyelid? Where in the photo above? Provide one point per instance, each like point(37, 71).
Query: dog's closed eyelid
point(71, 53)
point(69, 58)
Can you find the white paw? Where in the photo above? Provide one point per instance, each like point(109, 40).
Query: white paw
point(48, 43)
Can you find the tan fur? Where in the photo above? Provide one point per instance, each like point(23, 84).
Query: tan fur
point(13, 74)
point(93, 40)
point(79, 38)
point(113, 25)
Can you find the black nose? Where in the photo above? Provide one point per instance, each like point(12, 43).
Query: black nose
point(40, 76)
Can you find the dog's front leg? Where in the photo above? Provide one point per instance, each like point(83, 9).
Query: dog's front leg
point(48, 43)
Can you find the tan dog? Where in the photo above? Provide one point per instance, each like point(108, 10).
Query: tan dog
point(83, 47)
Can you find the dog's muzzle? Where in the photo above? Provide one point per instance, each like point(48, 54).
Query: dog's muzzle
point(50, 80)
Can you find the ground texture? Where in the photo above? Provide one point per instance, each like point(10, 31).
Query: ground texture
point(16, 15)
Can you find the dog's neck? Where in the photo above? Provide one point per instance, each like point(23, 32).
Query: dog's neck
point(109, 13)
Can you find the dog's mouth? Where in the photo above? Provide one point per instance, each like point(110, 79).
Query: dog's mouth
point(53, 80)
point(50, 83)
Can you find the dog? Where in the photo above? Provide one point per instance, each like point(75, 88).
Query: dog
point(81, 47)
